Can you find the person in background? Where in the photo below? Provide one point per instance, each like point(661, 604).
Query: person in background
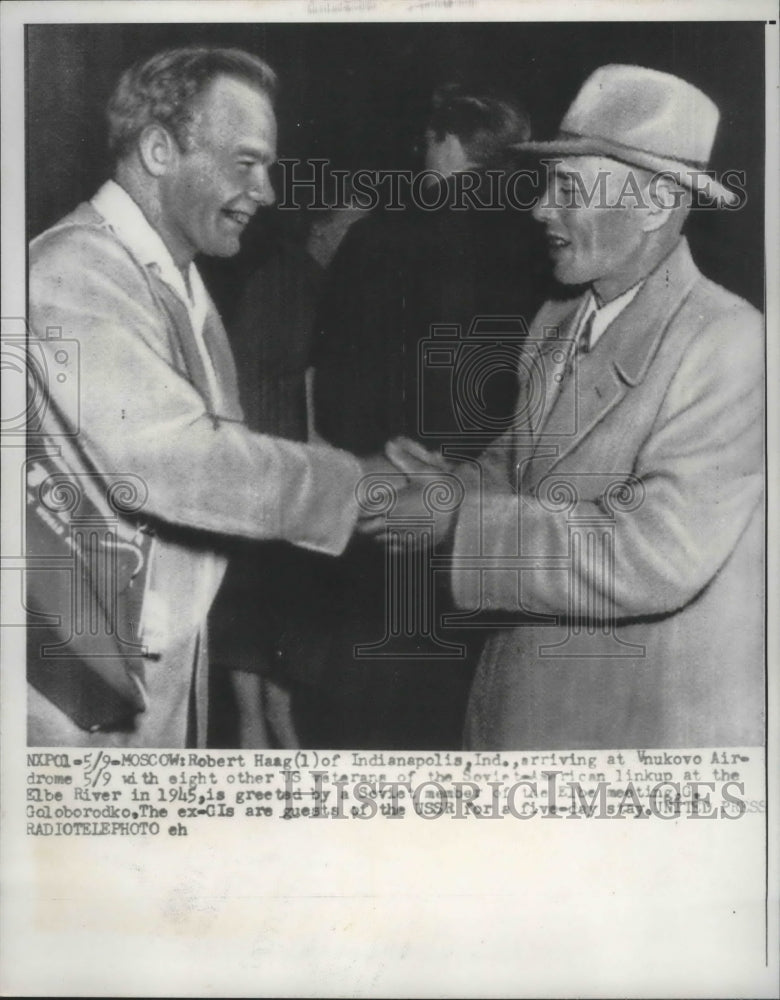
point(261, 608)
point(394, 276)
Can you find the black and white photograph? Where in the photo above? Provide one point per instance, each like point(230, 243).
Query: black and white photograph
point(391, 440)
point(425, 548)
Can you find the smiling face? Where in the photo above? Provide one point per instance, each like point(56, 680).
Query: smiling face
point(596, 231)
point(215, 186)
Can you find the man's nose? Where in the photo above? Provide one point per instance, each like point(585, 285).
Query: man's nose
point(544, 208)
point(261, 189)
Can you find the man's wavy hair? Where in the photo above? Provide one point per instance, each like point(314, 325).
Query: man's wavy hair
point(164, 90)
point(485, 121)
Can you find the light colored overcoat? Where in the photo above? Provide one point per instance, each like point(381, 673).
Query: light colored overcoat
point(623, 519)
point(136, 401)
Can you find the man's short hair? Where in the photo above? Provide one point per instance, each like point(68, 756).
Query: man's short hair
point(164, 90)
point(485, 121)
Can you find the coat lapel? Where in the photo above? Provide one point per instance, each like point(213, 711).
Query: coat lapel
point(221, 355)
point(545, 359)
point(544, 355)
point(183, 343)
point(620, 360)
point(215, 338)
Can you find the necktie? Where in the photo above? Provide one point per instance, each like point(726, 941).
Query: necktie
point(583, 341)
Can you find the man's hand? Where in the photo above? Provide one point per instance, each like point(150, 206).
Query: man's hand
point(380, 464)
point(409, 456)
point(421, 490)
point(402, 454)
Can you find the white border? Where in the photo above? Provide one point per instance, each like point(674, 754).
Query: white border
point(253, 925)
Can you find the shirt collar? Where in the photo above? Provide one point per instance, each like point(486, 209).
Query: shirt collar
point(125, 217)
point(606, 314)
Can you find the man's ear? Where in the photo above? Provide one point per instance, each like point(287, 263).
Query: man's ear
point(157, 150)
point(450, 155)
point(664, 197)
point(458, 156)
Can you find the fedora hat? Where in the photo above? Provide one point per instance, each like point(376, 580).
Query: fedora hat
point(644, 118)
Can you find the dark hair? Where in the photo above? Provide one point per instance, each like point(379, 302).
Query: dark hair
point(165, 89)
point(485, 121)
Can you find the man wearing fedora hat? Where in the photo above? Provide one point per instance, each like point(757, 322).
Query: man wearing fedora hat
point(612, 539)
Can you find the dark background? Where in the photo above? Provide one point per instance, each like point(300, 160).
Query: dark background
point(356, 93)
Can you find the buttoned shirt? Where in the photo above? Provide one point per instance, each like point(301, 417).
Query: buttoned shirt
point(603, 315)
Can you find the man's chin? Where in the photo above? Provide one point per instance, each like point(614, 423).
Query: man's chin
point(223, 249)
point(567, 275)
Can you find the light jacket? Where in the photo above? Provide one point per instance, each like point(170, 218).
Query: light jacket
point(131, 398)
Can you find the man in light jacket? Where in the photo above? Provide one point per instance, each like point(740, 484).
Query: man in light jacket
point(152, 445)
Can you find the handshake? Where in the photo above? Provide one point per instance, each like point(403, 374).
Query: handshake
point(408, 488)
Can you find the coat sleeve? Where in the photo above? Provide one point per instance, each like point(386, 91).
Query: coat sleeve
point(134, 411)
point(699, 484)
